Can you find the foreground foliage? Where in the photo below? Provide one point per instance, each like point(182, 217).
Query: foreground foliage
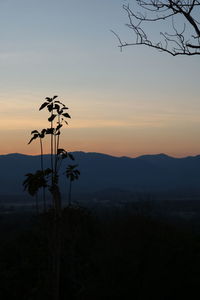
point(118, 257)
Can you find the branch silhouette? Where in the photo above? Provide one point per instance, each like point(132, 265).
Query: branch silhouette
point(178, 42)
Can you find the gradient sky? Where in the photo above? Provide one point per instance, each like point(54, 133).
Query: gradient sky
point(130, 103)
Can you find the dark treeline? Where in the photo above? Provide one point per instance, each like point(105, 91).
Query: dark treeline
point(117, 256)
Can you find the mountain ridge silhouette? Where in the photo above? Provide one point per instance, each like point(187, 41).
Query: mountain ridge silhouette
point(146, 173)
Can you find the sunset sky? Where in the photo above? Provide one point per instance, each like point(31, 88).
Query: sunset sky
point(127, 103)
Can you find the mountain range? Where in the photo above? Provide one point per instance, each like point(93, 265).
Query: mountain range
point(157, 173)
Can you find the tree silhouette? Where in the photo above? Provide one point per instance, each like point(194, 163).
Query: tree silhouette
point(50, 178)
point(57, 112)
point(34, 182)
point(73, 174)
point(36, 134)
point(181, 40)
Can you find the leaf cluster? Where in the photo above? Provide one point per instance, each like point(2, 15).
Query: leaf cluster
point(58, 116)
point(35, 181)
point(72, 173)
point(36, 134)
point(64, 154)
point(56, 108)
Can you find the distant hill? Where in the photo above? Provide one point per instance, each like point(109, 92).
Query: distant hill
point(99, 172)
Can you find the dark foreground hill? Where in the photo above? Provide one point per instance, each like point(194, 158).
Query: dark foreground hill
point(99, 172)
point(120, 254)
point(123, 257)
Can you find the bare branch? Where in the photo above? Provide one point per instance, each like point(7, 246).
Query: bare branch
point(184, 42)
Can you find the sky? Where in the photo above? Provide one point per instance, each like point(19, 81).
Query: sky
point(138, 101)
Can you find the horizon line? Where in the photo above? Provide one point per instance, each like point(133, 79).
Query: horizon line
point(106, 154)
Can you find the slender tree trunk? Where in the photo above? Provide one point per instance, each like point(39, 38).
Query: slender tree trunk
point(44, 199)
point(57, 258)
point(52, 174)
point(55, 154)
point(70, 193)
point(42, 167)
point(58, 140)
point(56, 222)
point(37, 204)
point(56, 147)
point(57, 236)
point(57, 218)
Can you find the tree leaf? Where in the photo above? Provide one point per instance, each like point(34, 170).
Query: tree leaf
point(58, 127)
point(50, 107)
point(48, 99)
point(34, 131)
point(33, 138)
point(60, 150)
point(57, 107)
point(42, 134)
point(51, 118)
point(66, 115)
point(43, 105)
point(71, 156)
point(50, 130)
point(48, 171)
point(43, 131)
